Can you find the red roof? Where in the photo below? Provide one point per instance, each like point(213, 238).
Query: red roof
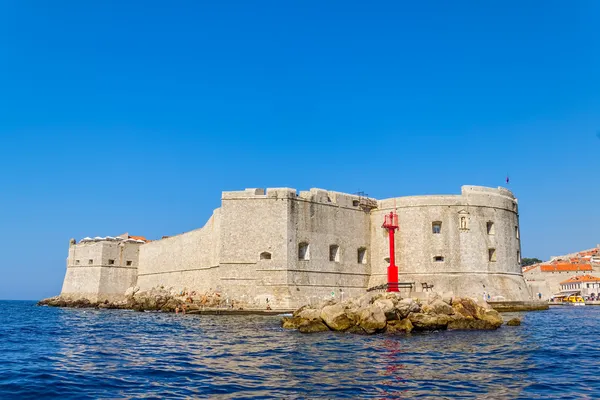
point(581, 278)
point(565, 267)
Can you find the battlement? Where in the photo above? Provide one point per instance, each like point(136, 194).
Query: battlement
point(313, 195)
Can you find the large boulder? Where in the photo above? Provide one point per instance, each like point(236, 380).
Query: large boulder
point(492, 317)
point(387, 306)
point(405, 307)
point(399, 326)
point(514, 322)
point(465, 307)
point(459, 323)
point(309, 313)
point(429, 322)
point(335, 317)
point(291, 322)
point(372, 319)
point(438, 307)
point(312, 326)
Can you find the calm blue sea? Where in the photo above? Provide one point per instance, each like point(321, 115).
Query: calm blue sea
point(89, 354)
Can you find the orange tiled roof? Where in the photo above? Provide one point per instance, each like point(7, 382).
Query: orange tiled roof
point(138, 238)
point(565, 267)
point(581, 278)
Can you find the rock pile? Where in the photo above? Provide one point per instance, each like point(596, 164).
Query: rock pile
point(390, 313)
point(155, 299)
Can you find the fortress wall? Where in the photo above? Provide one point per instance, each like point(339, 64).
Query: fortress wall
point(321, 218)
point(99, 280)
point(254, 222)
point(186, 261)
point(466, 269)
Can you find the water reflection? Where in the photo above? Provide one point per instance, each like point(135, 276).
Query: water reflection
point(111, 353)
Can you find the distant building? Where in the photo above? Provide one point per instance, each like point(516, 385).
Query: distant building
point(583, 285)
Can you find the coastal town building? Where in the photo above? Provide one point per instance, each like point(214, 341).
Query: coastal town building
point(584, 285)
point(545, 279)
point(288, 248)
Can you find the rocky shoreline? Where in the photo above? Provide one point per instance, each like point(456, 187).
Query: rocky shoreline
point(155, 299)
point(390, 313)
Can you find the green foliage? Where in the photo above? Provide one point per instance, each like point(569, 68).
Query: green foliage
point(529, 261)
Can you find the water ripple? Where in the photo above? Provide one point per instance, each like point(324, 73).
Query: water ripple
point(89, 354)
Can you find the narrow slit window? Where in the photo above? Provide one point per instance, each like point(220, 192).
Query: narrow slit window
point(517, 232)
point(334, 253)
point(492, 255)
point(303, 252)
point(491, 230)
point(518, 257)
point(362, 255)
point(438, 259)
point(436, 227)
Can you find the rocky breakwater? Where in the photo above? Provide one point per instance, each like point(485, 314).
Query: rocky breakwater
point(390, 313)
point(155, 299)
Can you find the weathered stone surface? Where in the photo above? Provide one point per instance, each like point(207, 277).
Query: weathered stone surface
point(514, 322)
point(309, 313)
point(335, 317)
point(291, 322)
point(469, 324)
point(399, 326)
point(492, 317)
point(312, 326)
point(423, 321)
point(438, 307)
point(407, 306)
point(387, 306)
point(372, 319)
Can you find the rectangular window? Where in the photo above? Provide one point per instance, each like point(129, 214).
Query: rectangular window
point(518, 257)
point(111, 262)
point(129, 263)
point(362, 255)
point(334, 253)
point(438, 259)
point(303, 252)
point(517, 232)
point(76, 262)
point(436, 227)
point(490, 228)
point(90, 262)
point(492, 255)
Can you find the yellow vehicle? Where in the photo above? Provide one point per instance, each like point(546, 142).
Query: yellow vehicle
point(574, 300)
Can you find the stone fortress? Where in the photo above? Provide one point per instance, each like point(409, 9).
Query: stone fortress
point(285, 248)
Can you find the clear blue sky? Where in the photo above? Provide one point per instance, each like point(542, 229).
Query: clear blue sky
point(134, 115)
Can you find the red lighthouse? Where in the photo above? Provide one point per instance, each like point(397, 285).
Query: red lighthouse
point(390, 223)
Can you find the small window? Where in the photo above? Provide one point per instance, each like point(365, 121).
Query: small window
point(362, 255)
point(355, 203)
point(490, 228)
point(303, 252)
point(518, 256)
point(129, 263)
point(517, 232)
point(334, 253)
point(387, 260)
point(90, 262)
point(76, 262)
point(265, 255)
point(492, 255)
point(438, 259)
point(436, 227)
point(111, 262)
point(463, 223)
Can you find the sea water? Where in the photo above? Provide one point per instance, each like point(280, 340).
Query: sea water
point(89, 354)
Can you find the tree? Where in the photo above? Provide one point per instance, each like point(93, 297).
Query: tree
point(525, 262)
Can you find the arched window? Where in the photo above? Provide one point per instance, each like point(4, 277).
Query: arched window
point(334, 253)
point(362, 255)
point(265, 255)
point(303, 251)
